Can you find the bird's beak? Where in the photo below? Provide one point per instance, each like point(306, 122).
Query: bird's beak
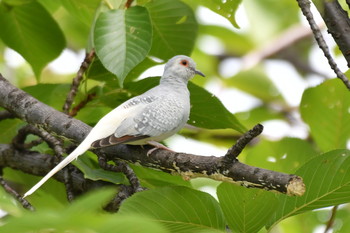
point(200, 73)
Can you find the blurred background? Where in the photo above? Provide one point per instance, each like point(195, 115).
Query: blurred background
point(258, 69)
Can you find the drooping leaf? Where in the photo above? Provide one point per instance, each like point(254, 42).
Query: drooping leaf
point(208, 112)
point(122, 39)
point(226, 8)
point(174, 28)
point(31, 31)
point(93, 171)
point(246, 210)
point(327, 180)
point(325, 109)
point(178, 208)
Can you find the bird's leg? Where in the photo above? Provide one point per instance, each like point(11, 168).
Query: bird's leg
point(157, 145)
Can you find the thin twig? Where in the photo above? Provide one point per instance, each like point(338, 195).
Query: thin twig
point(123, 167)
point(13, 193)
point(128, 3)
point(330, 222)
point(82, 104)
point(305, 8)
point(237, 148)
point(76, 81)
point(125, 191)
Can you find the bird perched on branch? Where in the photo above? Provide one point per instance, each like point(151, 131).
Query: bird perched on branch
point(145, 119)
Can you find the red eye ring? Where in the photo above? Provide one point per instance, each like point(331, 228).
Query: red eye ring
point(184, 63)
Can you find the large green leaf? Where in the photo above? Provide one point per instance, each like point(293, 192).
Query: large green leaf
point(174, 28)
point(246, 210)
point(31, 31)
point(178, 208)
point(122, 39)
point(325, 109)
point(327, 180)
point(207, 111)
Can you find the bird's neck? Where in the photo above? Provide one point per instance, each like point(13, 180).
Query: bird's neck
point(173, 81)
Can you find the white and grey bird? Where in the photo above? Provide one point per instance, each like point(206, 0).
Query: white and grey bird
point(145, 119)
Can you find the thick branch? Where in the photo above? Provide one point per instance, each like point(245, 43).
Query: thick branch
point(338, 24)
point(189, 166)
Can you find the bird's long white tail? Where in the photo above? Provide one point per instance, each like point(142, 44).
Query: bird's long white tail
point(84, 146)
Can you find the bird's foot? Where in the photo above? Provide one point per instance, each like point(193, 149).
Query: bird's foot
point(157, 145)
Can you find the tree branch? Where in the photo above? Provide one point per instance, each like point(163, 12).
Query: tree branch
point(189, 166)
point(305, 8)
point(338, 23)
point(76, 82)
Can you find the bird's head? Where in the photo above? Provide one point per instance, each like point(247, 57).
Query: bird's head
point(182, 67)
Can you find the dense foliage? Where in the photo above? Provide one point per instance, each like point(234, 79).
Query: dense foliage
point(128, 41)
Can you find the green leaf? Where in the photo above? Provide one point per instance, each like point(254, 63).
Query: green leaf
point(9, 128)
point(152, 178)
point(276, 16)
point(82, 9)
point(259, 114)
point(122, 39)
point(226, 9)
point(327, 180)
point(326, 109)
point(246, 210)
point(174, 28)
point(207, 111)
point(84, 215)
point(50, 94)
point(31, 31)
point(285, 155)
point(178, 208)
point(92, 171)
point(256, 83)
point(8, 204)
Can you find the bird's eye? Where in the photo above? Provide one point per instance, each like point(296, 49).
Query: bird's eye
point(184, 62)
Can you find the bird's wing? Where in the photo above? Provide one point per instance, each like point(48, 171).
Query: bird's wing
point(155, 118)
point(151, 119)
